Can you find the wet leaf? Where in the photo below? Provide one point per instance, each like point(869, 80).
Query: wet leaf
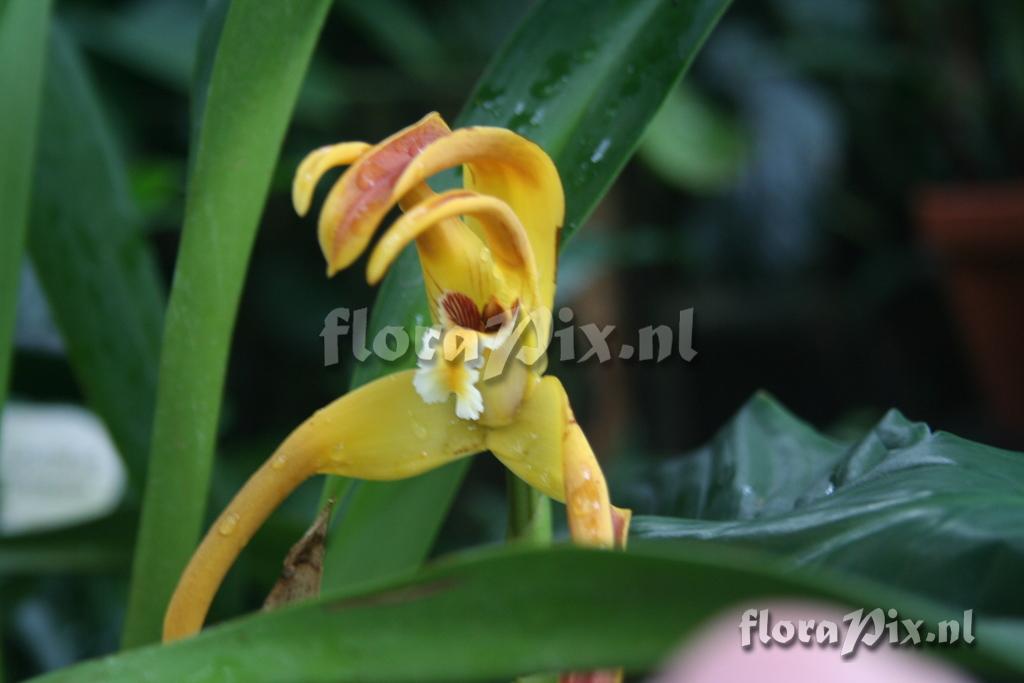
point(924, 511)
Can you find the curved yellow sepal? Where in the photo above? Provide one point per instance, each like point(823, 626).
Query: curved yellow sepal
point(587, 504)
point(390, 433)
point(507, 166)
point(318, 162)
point(506, 236)
point(382, 430)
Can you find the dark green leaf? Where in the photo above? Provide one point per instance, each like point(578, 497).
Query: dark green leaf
point(260, 61)
point(23, 29)
point(927, 512)
point(581, 79)
point(510, 613)
point(90, 252)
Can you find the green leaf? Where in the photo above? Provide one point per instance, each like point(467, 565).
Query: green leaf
point(584, 79)
point(93, 261)
point(927, 512)
point(581, 79)
point(357, 551)
point(514, 612)
point(260, 61)
point(23, 28)
point(692, 144)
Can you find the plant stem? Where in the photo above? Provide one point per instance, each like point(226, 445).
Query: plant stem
point(529, 521)
point(529, 512)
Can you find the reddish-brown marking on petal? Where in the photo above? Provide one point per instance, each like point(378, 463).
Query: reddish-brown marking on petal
point(461, 310)
point(620, 525)
point(375, 175)
point(494, 315)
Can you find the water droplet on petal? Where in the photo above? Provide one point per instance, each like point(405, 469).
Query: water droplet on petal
point(338, 452)
point(419, 430)
point(227, 527)
point(279, 462)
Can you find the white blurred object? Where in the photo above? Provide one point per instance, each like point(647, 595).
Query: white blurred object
point(58, 467)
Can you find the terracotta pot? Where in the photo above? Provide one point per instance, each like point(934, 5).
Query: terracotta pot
point(978, 233)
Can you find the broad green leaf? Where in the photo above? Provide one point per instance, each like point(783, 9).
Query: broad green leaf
point(260, 61)
point(93, 261)
point(494, 615)
point(23, 29)
point(925, 511)
point(582, 79)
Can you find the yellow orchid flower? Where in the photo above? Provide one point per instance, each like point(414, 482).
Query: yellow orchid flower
point(488, 253)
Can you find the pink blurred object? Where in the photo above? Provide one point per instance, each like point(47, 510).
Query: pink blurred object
point(716, 656)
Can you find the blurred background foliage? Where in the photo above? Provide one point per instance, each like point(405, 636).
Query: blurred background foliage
point(775, 194)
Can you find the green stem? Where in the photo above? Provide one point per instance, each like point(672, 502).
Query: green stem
point(529, 512)
point(529, 520)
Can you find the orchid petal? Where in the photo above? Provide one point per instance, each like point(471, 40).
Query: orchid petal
point(505, 235)
point(318, 162)
point(363, 195)
point(502, 164)
point(382, 430)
